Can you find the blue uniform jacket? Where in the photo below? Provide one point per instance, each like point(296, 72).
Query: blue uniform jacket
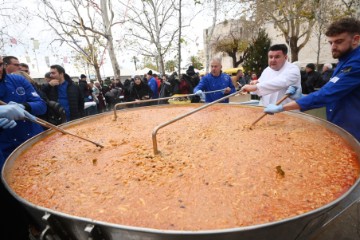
point(154, 87)
point(212, 83)
point(17, 89)
point(341, 95)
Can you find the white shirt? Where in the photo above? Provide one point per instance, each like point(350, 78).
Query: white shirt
point(273, 84)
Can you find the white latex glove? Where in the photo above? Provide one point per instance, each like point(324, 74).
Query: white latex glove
point(6, 123)
point(12, 112)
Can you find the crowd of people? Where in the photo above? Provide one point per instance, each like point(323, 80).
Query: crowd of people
point(60, 99)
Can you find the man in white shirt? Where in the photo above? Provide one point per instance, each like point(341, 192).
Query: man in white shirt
point(276, 78)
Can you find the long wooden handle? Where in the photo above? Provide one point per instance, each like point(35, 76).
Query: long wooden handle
point(262, 116)
point(54, 127)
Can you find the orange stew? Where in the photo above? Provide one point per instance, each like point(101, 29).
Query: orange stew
point(212, 171)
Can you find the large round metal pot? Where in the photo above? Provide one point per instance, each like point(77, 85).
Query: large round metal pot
point(304, 226)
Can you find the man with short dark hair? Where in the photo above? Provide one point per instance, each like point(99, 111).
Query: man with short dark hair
point(63, 90)
point(24, 68)
point(276, 78)
point(11, 64)
point(16, 90)
point(341, 95)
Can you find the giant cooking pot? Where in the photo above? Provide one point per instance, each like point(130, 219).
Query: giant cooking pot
point(304, 226)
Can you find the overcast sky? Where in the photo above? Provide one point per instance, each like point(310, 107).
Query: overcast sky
point(37, 31)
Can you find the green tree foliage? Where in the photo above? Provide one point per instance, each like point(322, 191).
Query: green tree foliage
point(170, 66)
point(196, 62)
point(256, 60)
point(233, 44)
point(149, 62)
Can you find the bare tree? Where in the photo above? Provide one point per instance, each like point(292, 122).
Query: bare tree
point(295, 19)
point(68, 22)
point(328, 12)
point(107, 14)
point(76, 23)
point(208, 35)
point(153, 29)
point(12, 17)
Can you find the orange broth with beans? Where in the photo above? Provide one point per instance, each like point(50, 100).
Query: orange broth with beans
point(212, 171)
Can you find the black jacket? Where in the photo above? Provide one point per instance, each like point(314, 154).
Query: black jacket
point(313, 81)
point(74, 96)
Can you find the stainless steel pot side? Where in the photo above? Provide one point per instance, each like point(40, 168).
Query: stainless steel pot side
point(58, 225)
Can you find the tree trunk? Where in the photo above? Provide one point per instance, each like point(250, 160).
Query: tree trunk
point(97, 71)
point(208, 38)
point(108, 33)
point(179, 41)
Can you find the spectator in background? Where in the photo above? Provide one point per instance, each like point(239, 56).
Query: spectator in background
point(240, 79)
point(153, 85)
point(97, 90)
point(47, 77)
point(158, 81)
point(194, 80)
point(139, 91)
point(63, 90)
point(327, 71)
point(313, 78)
point(85, 88)
point(24, 68)
point(11, 64)
point(165, 88)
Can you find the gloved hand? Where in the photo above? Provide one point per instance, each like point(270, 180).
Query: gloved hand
point(294, 92)
point(15, 103)
point(6, 123)
point(272, 108)
point(199, 93)
point(26, 113)
point(29, 116)
point(12, 112)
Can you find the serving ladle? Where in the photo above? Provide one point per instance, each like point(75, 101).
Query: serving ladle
point(56, 128)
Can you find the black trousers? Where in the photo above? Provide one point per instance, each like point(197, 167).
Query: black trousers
point(15, 219)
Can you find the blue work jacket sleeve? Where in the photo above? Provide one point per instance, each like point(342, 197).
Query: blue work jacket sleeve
point(201, 85)
point(37, 105)
point(344, 81)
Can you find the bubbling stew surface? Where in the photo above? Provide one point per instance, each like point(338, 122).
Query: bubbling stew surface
point(212, 171)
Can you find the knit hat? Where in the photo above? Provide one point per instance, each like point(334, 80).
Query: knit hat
point(150, 72)
point(82, 76)
point(190, 71)
point(311, 66)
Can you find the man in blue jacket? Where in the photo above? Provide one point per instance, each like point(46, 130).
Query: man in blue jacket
point(15, 88)
point(153, 85)
point(215, 80)
point(341, 95)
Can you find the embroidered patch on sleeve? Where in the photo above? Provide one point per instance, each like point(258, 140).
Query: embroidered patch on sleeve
point(334, 79)
point(35, 94)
